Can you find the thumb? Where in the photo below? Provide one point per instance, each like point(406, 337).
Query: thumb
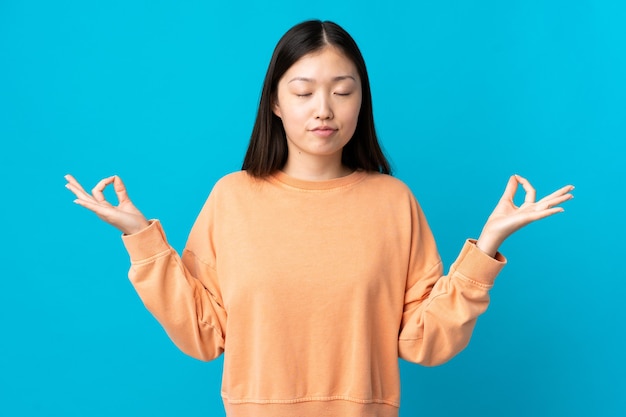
point(120, 189)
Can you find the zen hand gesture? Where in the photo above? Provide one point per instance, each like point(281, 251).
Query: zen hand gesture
point(124, 216)
point(507, 218)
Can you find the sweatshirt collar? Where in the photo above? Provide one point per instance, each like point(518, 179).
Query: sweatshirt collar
point(323, 185)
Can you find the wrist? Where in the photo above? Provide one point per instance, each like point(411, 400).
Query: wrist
point(488, 244)
point(141, 225)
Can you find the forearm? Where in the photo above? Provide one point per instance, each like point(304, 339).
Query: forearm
point(176, 298)
point(441, 325)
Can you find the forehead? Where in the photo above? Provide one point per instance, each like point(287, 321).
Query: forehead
point(329, 63)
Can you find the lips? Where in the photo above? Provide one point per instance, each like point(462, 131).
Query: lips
point(323, 131)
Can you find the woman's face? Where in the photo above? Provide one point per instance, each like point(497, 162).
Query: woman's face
point(318, 101)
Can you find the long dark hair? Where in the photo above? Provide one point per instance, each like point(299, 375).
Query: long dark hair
point(267, 151)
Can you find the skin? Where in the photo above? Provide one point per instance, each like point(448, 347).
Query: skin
point(318, 101)
point(321, 91)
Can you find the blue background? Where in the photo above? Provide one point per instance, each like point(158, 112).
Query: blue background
point(164, 94)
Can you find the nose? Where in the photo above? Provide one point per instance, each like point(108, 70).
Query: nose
point(324, 110)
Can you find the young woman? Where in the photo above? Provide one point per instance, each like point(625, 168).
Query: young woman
point(312, 268)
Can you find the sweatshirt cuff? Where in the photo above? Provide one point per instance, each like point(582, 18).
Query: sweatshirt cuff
point(475, 265)
point(146, 243)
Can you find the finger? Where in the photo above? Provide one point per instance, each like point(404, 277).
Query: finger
point(78, 191)
point(554, 201)
point(91, 204)
point(531, 194)
point(97, 191)
point(528, 217)
point(511, 189)
point(120, 189)
point(70, 178)
point(559, 192)
point(559, 196)
point(75, 186)
point(541, 214)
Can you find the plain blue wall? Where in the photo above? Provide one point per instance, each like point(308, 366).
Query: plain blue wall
point(164, 94)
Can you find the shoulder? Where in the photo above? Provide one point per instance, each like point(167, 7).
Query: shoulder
point(387, 185)
point(228, 191)
point(233, 179)
point(388, 193)
point(229, 183)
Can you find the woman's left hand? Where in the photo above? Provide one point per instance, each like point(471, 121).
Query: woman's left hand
point(507, 218)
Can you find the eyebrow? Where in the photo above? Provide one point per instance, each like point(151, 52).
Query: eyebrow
point(335, 79)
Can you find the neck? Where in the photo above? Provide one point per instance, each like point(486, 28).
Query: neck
point(315, 170)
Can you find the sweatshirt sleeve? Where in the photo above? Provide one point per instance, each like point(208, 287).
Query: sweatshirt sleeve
point(181, 293)
point(440, 311)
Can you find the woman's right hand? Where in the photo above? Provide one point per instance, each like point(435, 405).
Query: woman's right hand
point(124, 216)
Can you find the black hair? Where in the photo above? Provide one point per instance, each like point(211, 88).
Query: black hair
point(267, 150)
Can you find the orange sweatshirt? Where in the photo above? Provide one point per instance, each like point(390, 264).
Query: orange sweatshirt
point(313, 290)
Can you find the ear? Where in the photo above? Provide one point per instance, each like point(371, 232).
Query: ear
point(276, 109)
